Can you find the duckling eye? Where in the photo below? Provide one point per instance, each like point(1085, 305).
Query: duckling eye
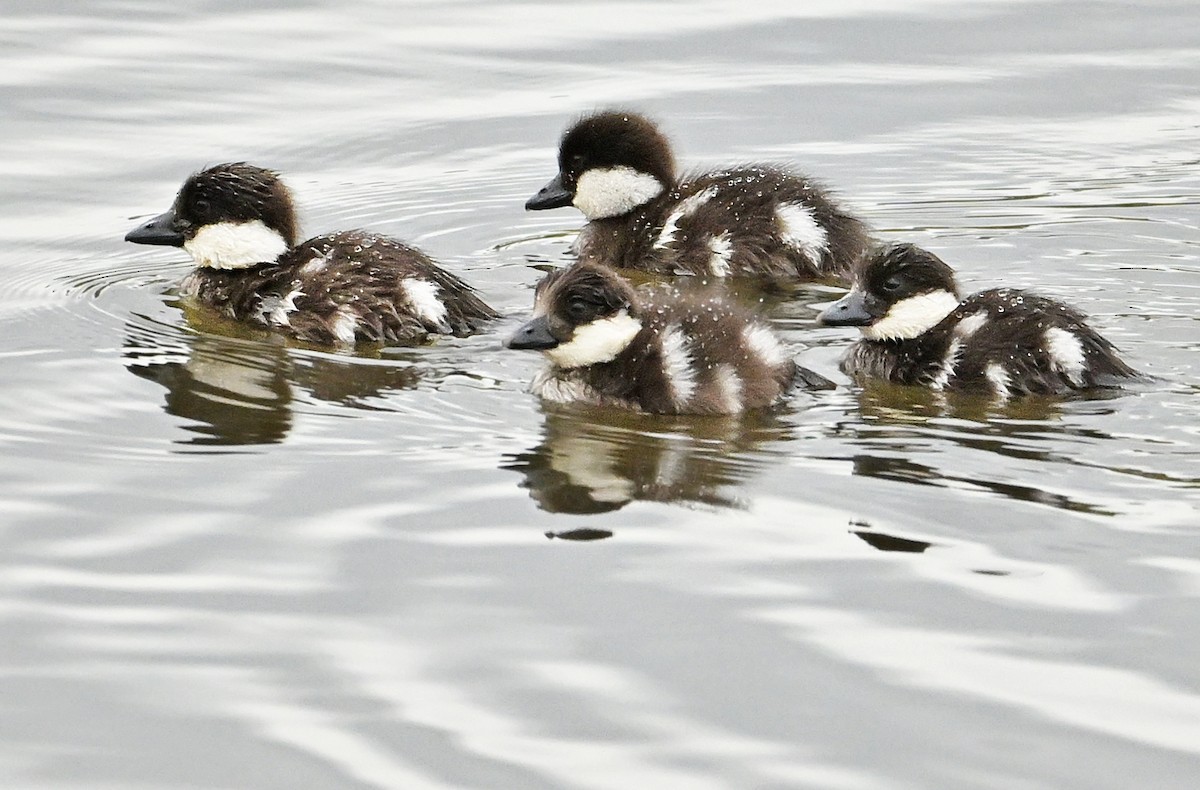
point(201, 207)
point(892, 284)
point(579, 308)
point(575, 163)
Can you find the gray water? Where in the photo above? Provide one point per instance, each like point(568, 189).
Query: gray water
point(228, 563)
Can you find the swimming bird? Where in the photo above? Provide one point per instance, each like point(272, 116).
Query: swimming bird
point(238, 223)
point(1006, 342)
point(662, 352)
point(756, 221)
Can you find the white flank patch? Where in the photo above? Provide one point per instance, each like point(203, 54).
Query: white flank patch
point(279, 314)
point(685, 207)
point(942, 377)
point(344, 326)
point(1067, 352)
point(998, 376)
point(722, 255)
point(800, 229)
point(677, 364)
point(913, 316)
point(970, 325)
point(315, 265)
point(729, 384)
point(613, 191)
point(235, 245)
point(425, 300)
point(599, 341)
point(189, 286)
point(549, 385)
point(765, 345)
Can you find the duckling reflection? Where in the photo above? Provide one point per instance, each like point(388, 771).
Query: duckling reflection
point(579, 534)
point(231, 393)
point(240, 393)
point(584, 465)
point(900, 426)
point(887, 402)
point(904, 470)
point(888, 542)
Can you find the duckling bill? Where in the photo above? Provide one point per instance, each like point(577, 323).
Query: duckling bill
point(662, 353)
point(916, 329)
point(756, 221)
point(238, 223)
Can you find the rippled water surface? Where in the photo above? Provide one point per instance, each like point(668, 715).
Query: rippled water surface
point(230, 563)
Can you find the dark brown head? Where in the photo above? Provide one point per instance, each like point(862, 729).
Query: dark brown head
point(609, 163)
point(228, 216)
point(582, 315)
point(899, 292)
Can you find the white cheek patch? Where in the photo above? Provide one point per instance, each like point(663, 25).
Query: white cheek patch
point(686, 207)
point(800, 229)
point(913, 316)
point(1067, 352)
point(425, 299)
point(677, 363)
point(596, 342)
point(613, 191)
point(235, 245)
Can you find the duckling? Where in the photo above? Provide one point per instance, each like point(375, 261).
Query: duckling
point(755, 221)
point(1006, 342)
point(667, 353)
point(238, 223)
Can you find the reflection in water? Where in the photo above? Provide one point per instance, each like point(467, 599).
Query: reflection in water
point(200, 621)
point(581, 534)
point(900, 423)
point(905, 470)
point(238, 392)
point(885, 542)
point(884, 401)
point(352, 381)
point(598, 460)
point(231, 393)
